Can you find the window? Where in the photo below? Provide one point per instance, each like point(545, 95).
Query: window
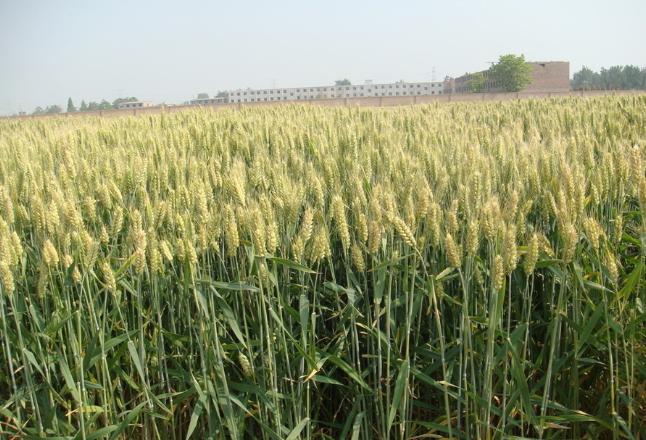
point(265, 92)
point(361, 87)
point(347, 88)
point(272, 92)
point(325, 89)
point(272, 98)
point(418, 85)
point(397, 86)
point(404, 86)
point(278, 92)
point(390, 87)
point(362, 94)
point(404, 93)
point(425, 88)
point(245, 100)
point(354, 88)
point(318, 90)
point(253, 99)
point(382, 87)
point(390, 93)
point(298, 90)
point(265, 98)
point(397, 93)
point(245, 93)
point(433, 92)
point(253, 93)
point(238, 93)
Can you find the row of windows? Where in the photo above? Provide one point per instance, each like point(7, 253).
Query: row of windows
point(347, 95)
point(338, 89)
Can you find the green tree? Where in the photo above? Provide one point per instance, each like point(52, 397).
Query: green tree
point(105, 105)
point(53, 109)
point(342, 82)
point(83, 107)
point(512, 73)
point(222, 94)
point(38, 111)
point(92, 106)
point(477, 83)
point(70, 106)
point(202, 95)
point(585, 79)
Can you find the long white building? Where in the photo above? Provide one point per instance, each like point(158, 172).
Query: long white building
point(328, 92)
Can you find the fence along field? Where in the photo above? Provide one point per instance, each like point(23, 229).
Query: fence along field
point(470, 270)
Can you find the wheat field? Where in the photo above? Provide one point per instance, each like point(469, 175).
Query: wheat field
point(463, 271)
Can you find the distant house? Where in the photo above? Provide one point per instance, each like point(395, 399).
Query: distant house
point(214, 100)
point(135, 104)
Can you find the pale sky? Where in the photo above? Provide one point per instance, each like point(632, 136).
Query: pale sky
point(169, 51)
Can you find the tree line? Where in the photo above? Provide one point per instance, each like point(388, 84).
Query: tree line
point(85, 107)
point(614, 78)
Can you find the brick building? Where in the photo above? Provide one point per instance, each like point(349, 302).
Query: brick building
point(547, 76)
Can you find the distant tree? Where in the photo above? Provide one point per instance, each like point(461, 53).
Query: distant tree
point(105, 105)
point(634, 78)
point(342, 82)
point(70, 106)
point(202, 95)
point(53, 109)
point(512, 73)
point(83, 107)
point(477, 83)
point(38, 111)
point(585, 79)
point(116, 102)
point(93, 106)
point(616, 77)
point(222, 94)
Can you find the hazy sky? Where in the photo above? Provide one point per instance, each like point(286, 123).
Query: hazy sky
point(168, 51)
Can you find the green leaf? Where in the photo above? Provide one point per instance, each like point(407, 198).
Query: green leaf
point(292, 265)
point(297, 429)
point(398, 393)
point(229, 316)
point(195, 417)
point(349, 371)
point(325, 379)
point(126, 422)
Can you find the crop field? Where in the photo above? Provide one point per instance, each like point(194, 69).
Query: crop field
point(463, 271)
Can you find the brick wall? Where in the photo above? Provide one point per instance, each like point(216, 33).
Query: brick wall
point(381, 101)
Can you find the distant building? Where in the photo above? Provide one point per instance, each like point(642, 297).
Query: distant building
point(135, 104)
point(547, 76)
point(329, 92)
point(214, 100)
